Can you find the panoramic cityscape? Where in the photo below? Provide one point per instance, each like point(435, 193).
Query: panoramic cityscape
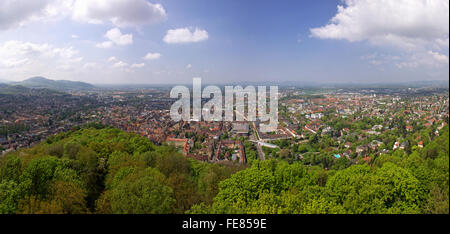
point(87, 107)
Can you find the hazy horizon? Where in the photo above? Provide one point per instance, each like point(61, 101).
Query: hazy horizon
point(262, 82)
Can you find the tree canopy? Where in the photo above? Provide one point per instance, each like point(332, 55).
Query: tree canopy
point(105, 170)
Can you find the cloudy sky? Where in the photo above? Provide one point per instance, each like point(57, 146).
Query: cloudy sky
point(171, 41)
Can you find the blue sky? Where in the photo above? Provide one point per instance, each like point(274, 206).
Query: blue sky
point(224, 41)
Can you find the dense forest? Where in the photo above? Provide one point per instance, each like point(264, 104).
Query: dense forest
point(97, 169)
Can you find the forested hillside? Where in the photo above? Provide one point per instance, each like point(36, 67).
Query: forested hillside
point(105, 170)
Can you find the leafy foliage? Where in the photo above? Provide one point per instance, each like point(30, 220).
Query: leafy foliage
point(97, 169)
point(104, 170)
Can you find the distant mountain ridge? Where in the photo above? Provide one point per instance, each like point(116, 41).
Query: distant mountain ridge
point(21, 90)
point(60, 85)
point(2, 81)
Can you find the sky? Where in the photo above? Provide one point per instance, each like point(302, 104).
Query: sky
point(222, 41)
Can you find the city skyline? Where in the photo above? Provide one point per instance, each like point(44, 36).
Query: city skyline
point(151, 42)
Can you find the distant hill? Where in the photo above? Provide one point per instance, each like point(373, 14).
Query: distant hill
point(3, 81)
point(355, 84)
point(19, 89)
point(60, 85)
point(404, 84)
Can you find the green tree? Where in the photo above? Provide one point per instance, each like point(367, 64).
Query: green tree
point(143, 192)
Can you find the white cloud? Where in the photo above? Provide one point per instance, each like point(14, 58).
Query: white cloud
point(65, 67)
point(116, 36)
point(189, 66)
point(120, 64)
point(443, 42)
point(104, 45)
point(376, 62)
point(185, 35)
point(415, 28)
point(429, 59)
point(401, 23)
point(21, 51)
point(15, 13)
point(20, 59)
point(112, 59)
point(14, 62)
point(124, 66)
point(74, 36)
point(152, 56)
point(441, 58)
point(122, 13)
point(137, 65)
point(65, 52)
point(90, 65)
point(76, 60)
